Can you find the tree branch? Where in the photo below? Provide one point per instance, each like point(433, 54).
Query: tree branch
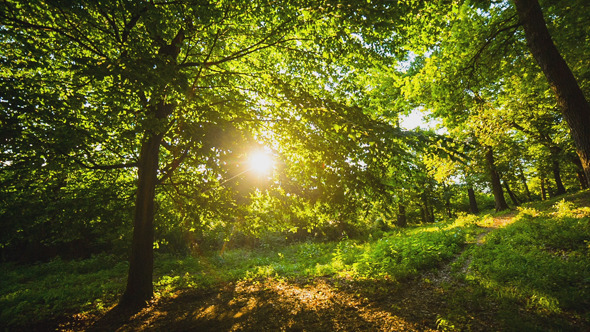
point(168, 170)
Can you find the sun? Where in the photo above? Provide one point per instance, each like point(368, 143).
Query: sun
point(260, 162)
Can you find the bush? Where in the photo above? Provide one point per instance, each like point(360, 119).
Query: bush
point(402, 255)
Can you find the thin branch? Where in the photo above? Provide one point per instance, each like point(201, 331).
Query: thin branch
point(206, 59)
point(25, 24)
point(168, 170)
point(104, 167)
point(473, 61)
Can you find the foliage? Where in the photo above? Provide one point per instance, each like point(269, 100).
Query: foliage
point(400, 256)
point(86, 88)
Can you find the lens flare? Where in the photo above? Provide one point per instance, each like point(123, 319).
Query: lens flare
point(260, 162)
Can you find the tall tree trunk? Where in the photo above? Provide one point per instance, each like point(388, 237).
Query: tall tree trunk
point(472, 201)
point(570, 98)
point(499, 200)
point(557, 177)
point(139, 288)
point(141, 262)
point(401, 216)
point(524, 184)
point(543, 189)
point(513, 197)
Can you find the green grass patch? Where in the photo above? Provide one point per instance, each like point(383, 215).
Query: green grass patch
point(36, 293)
point(541, 260)
point(43, 291)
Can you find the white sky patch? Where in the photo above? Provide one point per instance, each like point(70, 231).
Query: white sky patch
point(403, 66)
point(416, 120)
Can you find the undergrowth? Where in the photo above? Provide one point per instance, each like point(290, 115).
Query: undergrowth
point(43, 291)
point(541, 262)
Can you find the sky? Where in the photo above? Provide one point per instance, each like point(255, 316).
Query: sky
point(415, 119)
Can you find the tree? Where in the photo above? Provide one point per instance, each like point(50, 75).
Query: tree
point(472, 201)
point(165, 74)
point(570, 98)
point(495, 180)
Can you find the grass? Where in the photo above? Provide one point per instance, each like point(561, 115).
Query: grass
point(539, 264)
point(536, 270)
point(41, 292)
point(543, 259)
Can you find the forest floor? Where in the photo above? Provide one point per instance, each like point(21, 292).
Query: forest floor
point(522, 270)
point(313, 304)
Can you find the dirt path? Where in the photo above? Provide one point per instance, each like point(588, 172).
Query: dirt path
point(318, 304)
point(500, 221)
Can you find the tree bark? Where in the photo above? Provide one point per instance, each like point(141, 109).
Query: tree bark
point(472, 201)
point(141, 262)
point(582, 179)
point(580, 172)
point(511, 194)
point(500, 202)
point(401, 216)
point(543, 190)
point(139, 288)
point(570, 98)
point(557, 177)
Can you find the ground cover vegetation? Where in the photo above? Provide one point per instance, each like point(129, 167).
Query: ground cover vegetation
point(532, 273)
point(150, 147)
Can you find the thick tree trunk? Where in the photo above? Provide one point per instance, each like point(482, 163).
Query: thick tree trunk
point(500, 202)
point(472, 201)
point(570, 98)
point(513, 197)
point(543, 189)
point(139, 282)
point(139, 288)
point(141, 262)
point(580, 172)
point(401, 216)
point(582, 179)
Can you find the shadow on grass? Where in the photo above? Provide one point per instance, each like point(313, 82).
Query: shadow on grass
point(432, 301)
point(115, 318)
point(321, 304)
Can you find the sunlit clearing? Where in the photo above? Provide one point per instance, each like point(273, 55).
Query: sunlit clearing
point(260, 162)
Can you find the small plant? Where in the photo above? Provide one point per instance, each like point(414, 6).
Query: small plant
point(527, 212)
point(564, 209)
